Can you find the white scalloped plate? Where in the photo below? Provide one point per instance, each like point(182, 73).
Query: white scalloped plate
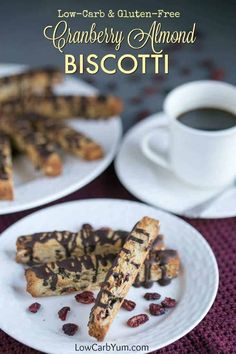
point(32, 188)
point(195, 289)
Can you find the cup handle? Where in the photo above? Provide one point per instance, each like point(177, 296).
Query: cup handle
point(155, 156)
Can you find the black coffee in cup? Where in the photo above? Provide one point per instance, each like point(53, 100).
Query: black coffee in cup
point(209, 119)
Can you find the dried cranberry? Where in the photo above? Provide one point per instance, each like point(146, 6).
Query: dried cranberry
point(168, 302)
point(218, 74)
point(137, 320)
point(70, 329)
point(62, 313)
point(34, 307)
point(86, 297)
point(152, 296)
point(156, 309)
point(128, 305)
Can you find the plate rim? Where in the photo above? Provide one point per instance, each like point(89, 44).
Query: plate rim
point(134, 192)
point(189, 226)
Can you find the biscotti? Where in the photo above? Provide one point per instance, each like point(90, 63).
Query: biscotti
point(88, 272)
point(67, 138)
point(62, 107)
point(6, 175)
point(54, 246)
point(34, 81)
point(121, 276)
point(40, 151)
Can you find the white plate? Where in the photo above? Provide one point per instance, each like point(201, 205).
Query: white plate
point(33, 188)
point(159, 187)
point(195, 289)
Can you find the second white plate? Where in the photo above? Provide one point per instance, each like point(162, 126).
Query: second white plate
point(195, 288)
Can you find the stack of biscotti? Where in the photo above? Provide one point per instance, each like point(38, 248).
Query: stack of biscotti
point(19, 86)
point(31, 115)
point(111, 261)
point(63, 261)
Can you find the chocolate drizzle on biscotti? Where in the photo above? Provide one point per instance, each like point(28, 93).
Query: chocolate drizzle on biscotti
point(69, 139)
point(63, 107)
point(67, 244)
point(161, 257)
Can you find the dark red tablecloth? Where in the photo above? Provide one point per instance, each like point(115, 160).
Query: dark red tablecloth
point(216, 333)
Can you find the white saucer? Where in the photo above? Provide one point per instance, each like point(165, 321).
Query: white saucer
point(160, 188)
point(194, 294)
point(33, 188)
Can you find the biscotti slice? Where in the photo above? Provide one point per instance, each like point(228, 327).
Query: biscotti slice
point(33, 81)
point(6, 173)
point(121, 276)
point(88, 272)
point(34, 144)
point(68, 138)
point(44, 247)
point(63, 107)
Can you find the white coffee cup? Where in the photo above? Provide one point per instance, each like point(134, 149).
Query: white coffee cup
point(199, 157)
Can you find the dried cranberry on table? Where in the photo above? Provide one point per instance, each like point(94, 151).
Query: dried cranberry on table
point(34, 307)
point(152, 296)
point(128, 305)
point(156, 309)
point(217, 74)
point(168, 302)
point(70, 329)
point(137, 320)
point(86, 297)
point(62, 313)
